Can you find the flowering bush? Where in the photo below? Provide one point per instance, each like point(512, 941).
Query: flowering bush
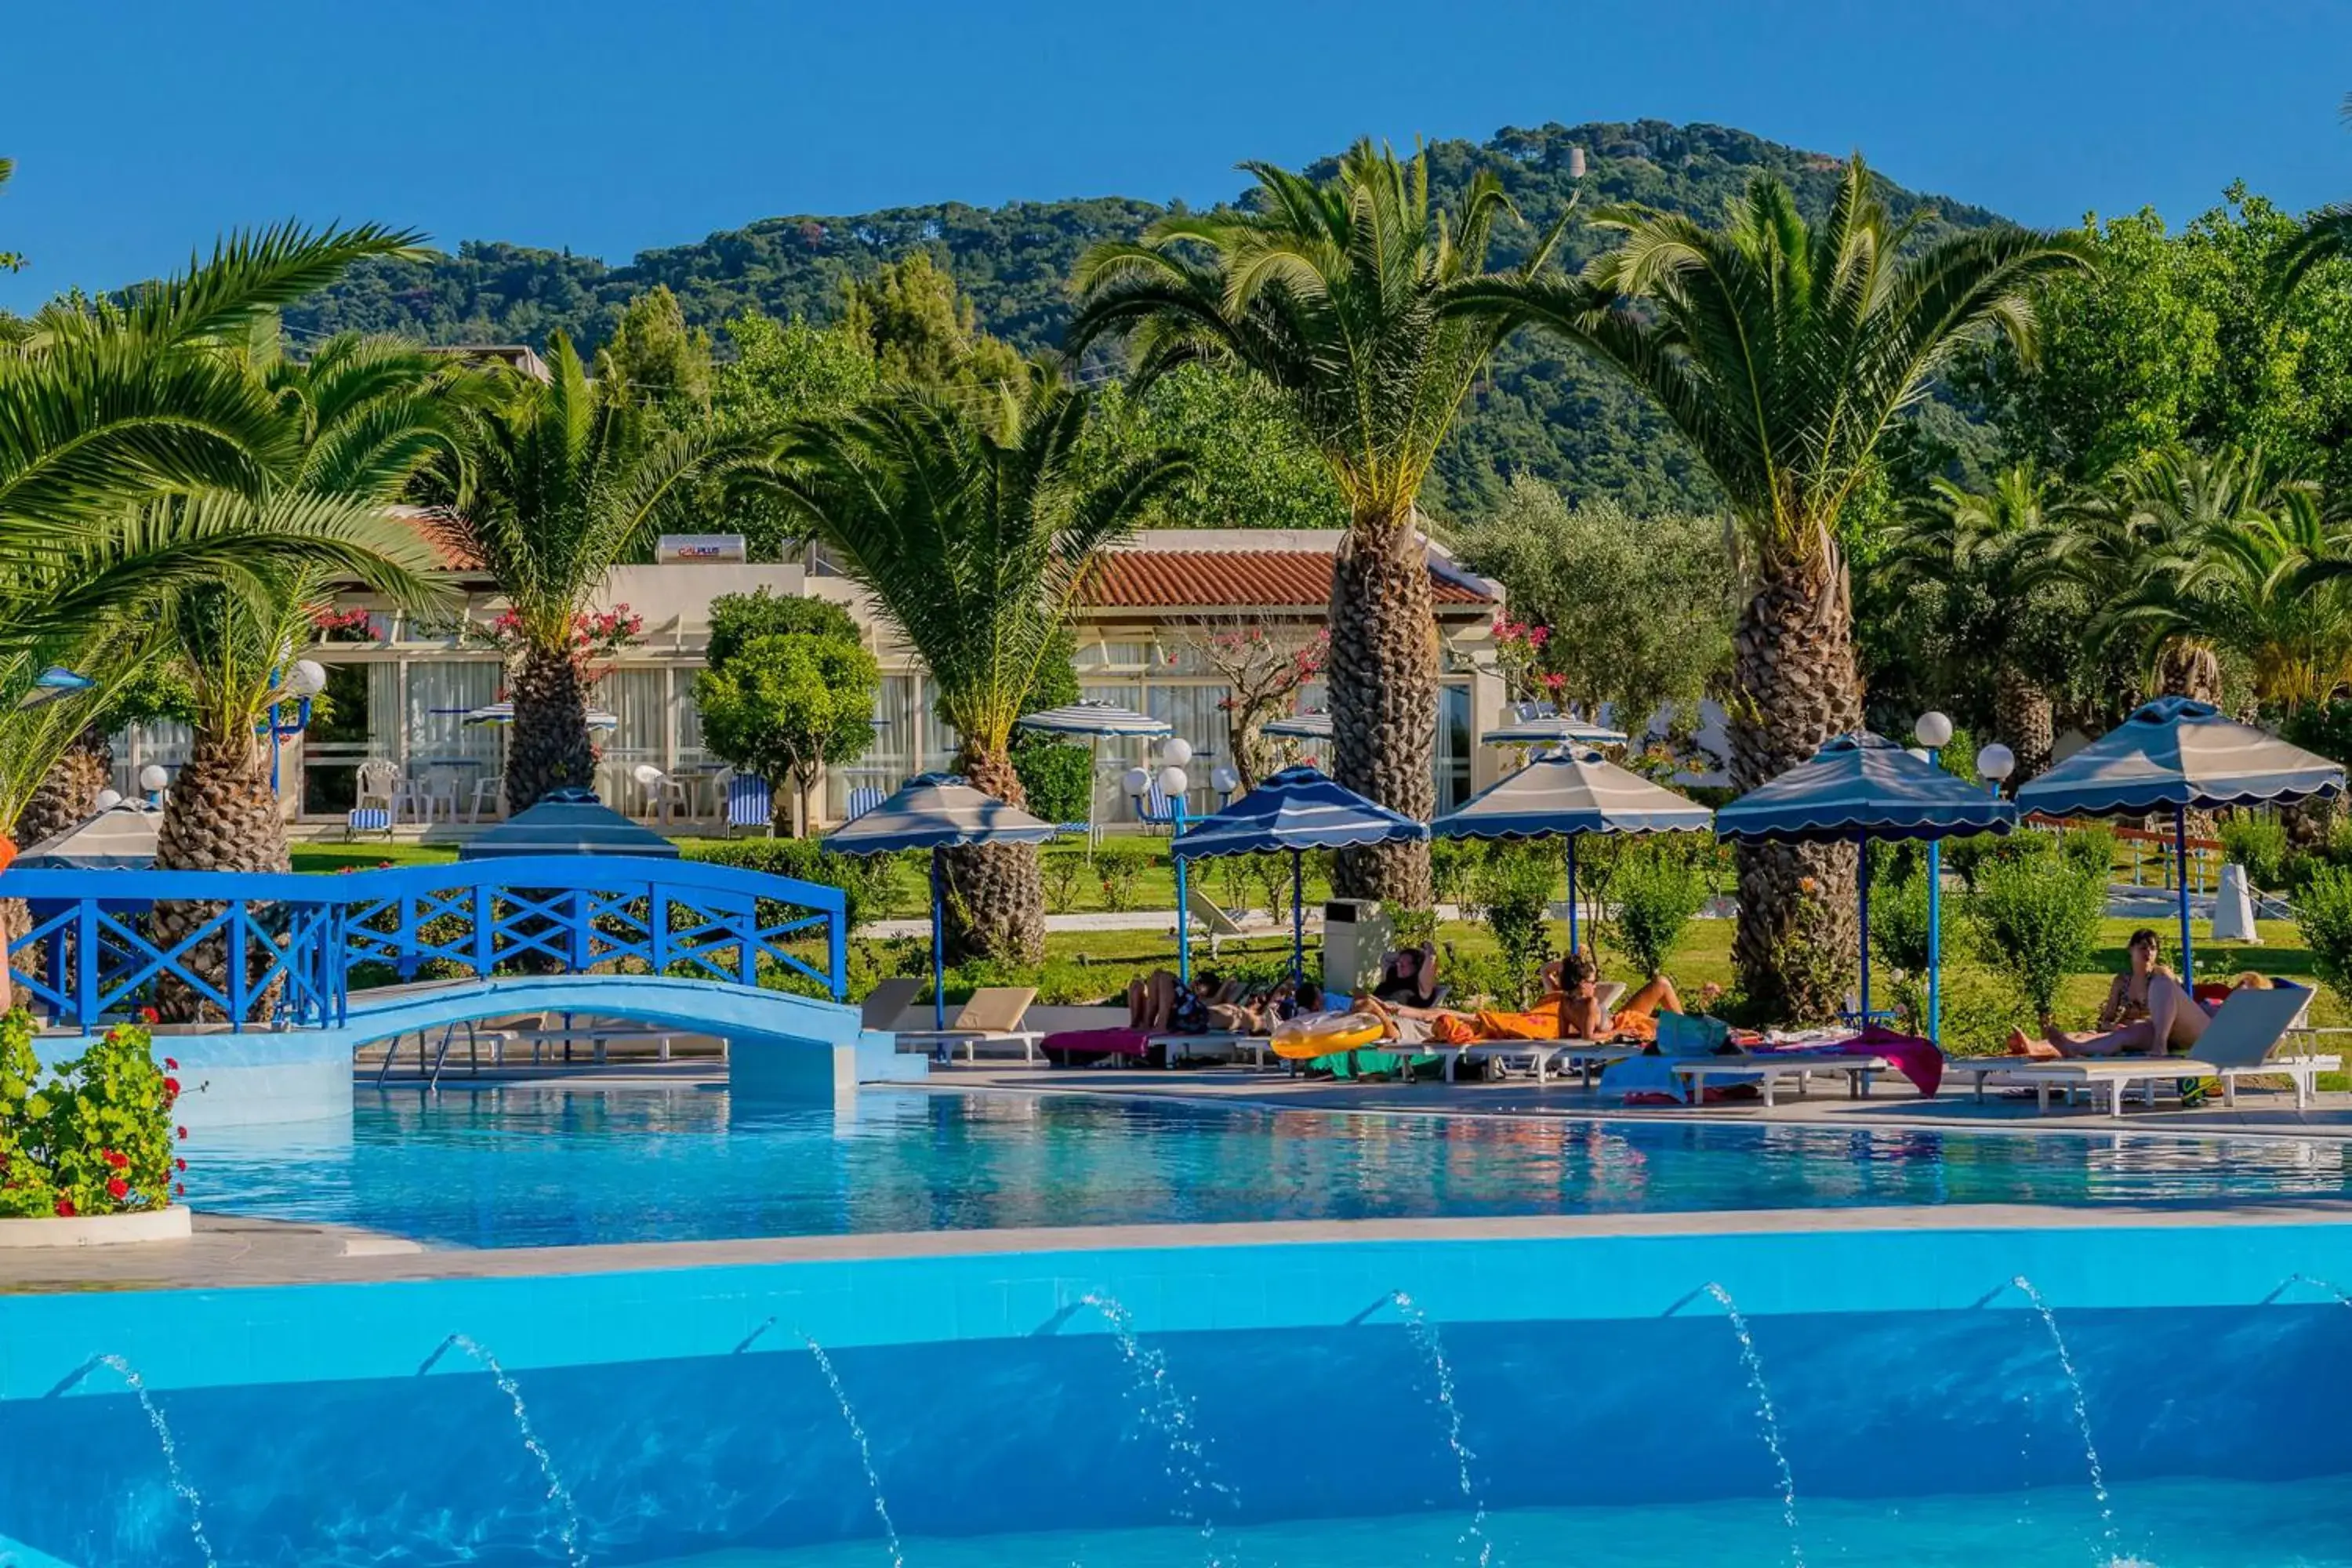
point(342, 625)
point(599, 636)
point(1519, 649)
point(94, 1138)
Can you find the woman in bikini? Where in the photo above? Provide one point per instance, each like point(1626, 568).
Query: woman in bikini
point(2146, 1010)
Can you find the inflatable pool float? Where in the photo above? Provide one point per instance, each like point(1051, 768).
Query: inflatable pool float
point(1304, 1039)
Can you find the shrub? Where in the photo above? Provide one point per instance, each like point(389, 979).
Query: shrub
point(1474, 977)
point(1655, 893)
point(1968, 858)
point(2090, 848)
point(96, 1137)
point(2039, 918)
point(1064, 875)
point(2323, 912)
point(866, 879)
point(1057, 778)
point(1899, 935)
point(1454, 865)
point(2259, 844)
point(1515, 885)
point(1119, 865)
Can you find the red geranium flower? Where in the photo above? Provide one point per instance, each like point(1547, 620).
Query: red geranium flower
point(65, 1208)
point(148, 1016)
point(181, 1133)
point(171, 1064)
point(180, 1189)
point(117, 1158)
point(171, 1085)
point(116, 1187)
point(179, 1164)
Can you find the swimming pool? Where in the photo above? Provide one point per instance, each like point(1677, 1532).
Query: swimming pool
point(1597, 1400)
point(543, 1166)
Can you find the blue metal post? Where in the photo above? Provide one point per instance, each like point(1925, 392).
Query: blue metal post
point(837, 949)
point(1935, 924)
point(1184, 908)
point(1571, 893)
point(939, 950)
point(2181, 863)
point(1862, 885)
point(1297, 917)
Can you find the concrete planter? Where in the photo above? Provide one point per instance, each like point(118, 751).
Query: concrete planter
point(98, 1229)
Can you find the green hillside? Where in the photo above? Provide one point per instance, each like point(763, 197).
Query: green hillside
point(1542, 412)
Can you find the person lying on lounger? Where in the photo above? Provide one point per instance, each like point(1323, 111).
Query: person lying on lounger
point(1581, 1015)
point(1158, 1005)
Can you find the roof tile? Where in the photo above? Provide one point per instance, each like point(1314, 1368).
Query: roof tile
point(1252, 579)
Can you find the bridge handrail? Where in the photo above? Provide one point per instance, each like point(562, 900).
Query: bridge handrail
point(577, 909)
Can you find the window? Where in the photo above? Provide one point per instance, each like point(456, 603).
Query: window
point(1454, 743)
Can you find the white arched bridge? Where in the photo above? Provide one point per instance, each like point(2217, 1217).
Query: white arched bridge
point(299, 971)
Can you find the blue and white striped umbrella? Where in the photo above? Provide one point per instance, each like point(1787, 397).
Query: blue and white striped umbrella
point(1296, 810)
point(1556, 731)
point(2173, 754)
point(1300, 727)
point(1567, 794)
point(1571, 792)
point(936, 812)
point(1092, 716)
point(1863, 786)
point(503, 713)
point(2176, 751)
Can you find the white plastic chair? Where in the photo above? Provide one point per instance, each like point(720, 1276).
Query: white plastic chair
point(490, 788)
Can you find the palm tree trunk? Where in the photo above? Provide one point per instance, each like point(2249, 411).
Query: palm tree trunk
point(2026, 720)
point(996, 896)
point(221, 815)
point(69, 791)
point(1384, 684)
point(549, 749)
point(1796, 685)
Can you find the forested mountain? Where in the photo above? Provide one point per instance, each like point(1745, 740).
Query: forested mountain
point(1544, 412)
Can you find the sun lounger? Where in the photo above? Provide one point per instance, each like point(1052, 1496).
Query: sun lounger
point(888, 1002)
point(1216, 1045)
point(1767, 1069)
point(992, 1017)
point(2237, 1044)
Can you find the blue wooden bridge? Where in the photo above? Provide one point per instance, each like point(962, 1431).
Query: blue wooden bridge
point(294, 973)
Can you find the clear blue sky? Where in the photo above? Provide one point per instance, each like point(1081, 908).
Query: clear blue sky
point(610, 126)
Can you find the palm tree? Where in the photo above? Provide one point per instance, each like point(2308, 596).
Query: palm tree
point(2327, 233)
point(1977, 556)
point(973, 534)
point(1783, 351)
point(1337, 293)
point(568, 482)
point(2201, 558)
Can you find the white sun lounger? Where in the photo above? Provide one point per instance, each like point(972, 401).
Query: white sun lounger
point(1767, 1069)
point(992, 1017)
point(1216, 1045)
point(2237, 1044)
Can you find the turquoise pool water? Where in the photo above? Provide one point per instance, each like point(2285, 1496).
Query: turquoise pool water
point(540, 1167)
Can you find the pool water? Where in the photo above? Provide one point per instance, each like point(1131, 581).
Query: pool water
point(532, 1166)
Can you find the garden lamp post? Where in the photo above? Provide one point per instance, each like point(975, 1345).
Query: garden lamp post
point(1934, 730)
point(154, 778)
point(1995, 763)
point(301, 680)
point(1175, 753)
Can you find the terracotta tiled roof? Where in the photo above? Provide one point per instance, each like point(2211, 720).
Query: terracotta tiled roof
point(1211, 579)
point(449, 541)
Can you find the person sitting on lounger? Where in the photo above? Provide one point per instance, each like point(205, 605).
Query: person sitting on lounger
point(1409, 980)
point(2146, 1010)
point(1582, 1017)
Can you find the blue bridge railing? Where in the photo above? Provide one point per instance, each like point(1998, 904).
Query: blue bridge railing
point(282, 949)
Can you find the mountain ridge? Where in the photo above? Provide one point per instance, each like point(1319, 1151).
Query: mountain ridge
point(1543, 410)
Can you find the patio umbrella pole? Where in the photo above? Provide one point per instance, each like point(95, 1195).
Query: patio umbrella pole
point(1297, 917)
point(1571, 892)
point(1862, 885)
point(2180, 870)
point(938, 947)
point(1936, 939)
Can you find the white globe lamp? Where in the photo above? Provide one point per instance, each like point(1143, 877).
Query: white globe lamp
point(305, 677)
point(108, 799)
point(1174, 781)
point(1995, 763)
point(1135, 781)
point(154, 778)
point(1934, 730)
point(1176, 750)
point(1225, 781)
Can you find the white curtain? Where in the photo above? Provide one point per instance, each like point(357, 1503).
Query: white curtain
point(1194, 712)
point(639, 698)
